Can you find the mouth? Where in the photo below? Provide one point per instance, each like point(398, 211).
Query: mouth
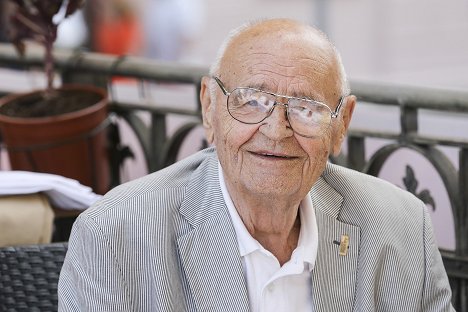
point(269, 155)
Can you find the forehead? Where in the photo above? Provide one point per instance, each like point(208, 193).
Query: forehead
point(293, 62)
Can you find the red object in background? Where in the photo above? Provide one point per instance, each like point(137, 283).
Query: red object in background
point(119, 36)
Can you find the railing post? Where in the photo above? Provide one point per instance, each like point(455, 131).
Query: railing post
point(408, 120)
point(158, 138)
point(356, 153)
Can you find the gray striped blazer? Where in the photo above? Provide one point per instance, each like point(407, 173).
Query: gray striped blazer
point(165, 242)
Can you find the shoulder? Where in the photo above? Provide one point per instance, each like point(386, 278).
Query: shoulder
point(370, 199)
point(354, 184)
point(169, 183)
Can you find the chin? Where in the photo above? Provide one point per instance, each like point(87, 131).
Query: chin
point(273, 187)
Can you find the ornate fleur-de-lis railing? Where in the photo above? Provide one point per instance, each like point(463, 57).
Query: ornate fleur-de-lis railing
point(411, 185)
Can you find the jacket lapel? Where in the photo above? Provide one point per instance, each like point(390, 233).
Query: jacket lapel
point(334, 275)
point(209, 250)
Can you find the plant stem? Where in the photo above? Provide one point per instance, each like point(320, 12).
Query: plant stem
point(49, 59)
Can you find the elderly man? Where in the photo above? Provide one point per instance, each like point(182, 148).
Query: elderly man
point(260, 221)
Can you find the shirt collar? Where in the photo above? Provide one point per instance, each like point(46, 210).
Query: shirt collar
point(308, 236)
point(247, 244)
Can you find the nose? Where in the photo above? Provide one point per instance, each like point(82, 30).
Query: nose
point(276, 126)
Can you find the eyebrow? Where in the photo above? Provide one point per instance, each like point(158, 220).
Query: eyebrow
point(262, 87)
point(310, 98)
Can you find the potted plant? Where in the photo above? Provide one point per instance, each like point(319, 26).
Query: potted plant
point(54, 130)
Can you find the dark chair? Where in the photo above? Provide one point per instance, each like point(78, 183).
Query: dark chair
point(29, 277)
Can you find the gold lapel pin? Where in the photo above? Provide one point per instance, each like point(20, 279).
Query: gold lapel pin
point(344, 245)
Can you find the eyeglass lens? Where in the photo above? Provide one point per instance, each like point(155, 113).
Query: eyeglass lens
point(251, 106)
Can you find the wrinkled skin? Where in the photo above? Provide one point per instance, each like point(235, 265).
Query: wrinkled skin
point(268, 168)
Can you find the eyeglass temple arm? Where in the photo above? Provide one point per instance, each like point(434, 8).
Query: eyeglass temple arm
point(337, 109)
point(221, 85)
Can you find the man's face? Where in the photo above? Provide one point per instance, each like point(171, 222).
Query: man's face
point(269, 158)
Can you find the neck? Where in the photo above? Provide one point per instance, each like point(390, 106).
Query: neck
point(273, 222)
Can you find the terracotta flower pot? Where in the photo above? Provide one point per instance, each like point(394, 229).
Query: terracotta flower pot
point(72, 144)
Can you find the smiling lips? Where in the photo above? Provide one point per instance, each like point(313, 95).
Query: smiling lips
point(271, 155)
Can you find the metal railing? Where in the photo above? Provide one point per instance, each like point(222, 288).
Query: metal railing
point(161, 150)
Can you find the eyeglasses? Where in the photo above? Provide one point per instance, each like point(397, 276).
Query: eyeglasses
point(307, 118)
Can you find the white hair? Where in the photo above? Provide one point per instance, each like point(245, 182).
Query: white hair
point(215, 67)
point(345, 89)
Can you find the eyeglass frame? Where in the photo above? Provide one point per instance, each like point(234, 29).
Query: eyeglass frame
point(333, 113)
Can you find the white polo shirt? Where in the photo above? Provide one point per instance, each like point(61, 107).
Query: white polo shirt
point(270, 286)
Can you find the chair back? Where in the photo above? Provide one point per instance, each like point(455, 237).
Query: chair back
point(29, 276)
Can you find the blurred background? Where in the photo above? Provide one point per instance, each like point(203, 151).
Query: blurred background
point(417, 42)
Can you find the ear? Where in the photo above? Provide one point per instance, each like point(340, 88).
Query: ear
point(207, 105)
point(345, 115)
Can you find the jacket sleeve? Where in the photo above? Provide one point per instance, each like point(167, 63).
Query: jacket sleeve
point(91, 278)
point(437, 293)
